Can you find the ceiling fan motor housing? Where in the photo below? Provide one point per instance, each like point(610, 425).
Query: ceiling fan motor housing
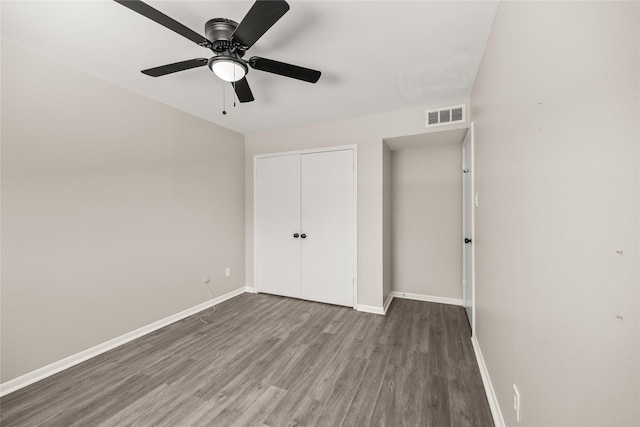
point(219, 31)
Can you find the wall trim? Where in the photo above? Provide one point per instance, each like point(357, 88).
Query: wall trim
point(428, 298)
point(387, 303)
point(498, 420)
point(307, 151)
point(370, 309)
point(250, 290)
point(55, 367)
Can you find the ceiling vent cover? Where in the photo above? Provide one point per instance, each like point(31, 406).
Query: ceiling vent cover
point(444, 116)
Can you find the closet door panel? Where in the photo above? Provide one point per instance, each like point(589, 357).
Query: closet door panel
point(327, 220)
point(277, 219)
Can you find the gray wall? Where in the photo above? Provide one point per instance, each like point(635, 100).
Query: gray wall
point(426, 187)
point(114, 207)
point(387, 238)
point(556, 112)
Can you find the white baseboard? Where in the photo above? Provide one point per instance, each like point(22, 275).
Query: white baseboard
point(370, 309)
point(488, 387)
point(387, 303)
point(428, 298)
point(406, 295)
point(67, 362)
point(250, 290)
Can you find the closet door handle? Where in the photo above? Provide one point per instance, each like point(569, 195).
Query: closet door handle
point(467, 240)
point(296, 235)
point(304, 236)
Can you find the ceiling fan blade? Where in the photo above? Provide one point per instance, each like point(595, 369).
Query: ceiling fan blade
point(243, 91)
point(283, 69)
point(162, 19)
point(262, 15)
point(175, 67)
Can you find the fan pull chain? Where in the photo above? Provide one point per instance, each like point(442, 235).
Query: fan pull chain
point(224, 102)
point(234, 93)
point(234, 87)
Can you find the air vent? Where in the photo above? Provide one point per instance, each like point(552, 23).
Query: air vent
point(444, 116)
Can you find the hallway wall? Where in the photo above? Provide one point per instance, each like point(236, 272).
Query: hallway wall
point(426, 192)
point(556, 111)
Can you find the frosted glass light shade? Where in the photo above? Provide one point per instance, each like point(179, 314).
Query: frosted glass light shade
point(228, 70)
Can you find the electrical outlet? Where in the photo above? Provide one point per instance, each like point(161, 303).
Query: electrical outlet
point(205, 280)
point(227, 272)
point(516, 402)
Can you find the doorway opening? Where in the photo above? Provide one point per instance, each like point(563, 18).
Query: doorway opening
point(425, 255)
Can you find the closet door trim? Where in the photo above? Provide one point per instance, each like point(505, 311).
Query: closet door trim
point(352, 147)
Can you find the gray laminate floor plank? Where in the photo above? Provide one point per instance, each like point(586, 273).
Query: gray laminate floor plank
point(336, 405)
point(365, 397)
point(261, 407)
point(264, 360)
point(386, 410)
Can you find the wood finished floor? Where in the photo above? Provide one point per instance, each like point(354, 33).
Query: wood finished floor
point(268, 360)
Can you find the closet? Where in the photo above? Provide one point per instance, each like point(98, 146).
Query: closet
point(304, 213)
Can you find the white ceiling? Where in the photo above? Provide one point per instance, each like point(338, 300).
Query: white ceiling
point(375, 56)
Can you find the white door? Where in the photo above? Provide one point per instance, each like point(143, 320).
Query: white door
point(468, 206)
point(328, 225)
point(277, 220)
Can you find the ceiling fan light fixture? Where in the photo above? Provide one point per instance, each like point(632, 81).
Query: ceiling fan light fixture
point(228, 68)
point(229, 42)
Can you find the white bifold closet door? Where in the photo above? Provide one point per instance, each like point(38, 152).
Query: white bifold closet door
point(327, 220)
point(277, 219)
point(311, 195)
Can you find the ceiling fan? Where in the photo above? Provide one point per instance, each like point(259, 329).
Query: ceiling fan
point(229, 42)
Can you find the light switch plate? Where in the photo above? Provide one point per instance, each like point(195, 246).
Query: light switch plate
point(516, 402)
